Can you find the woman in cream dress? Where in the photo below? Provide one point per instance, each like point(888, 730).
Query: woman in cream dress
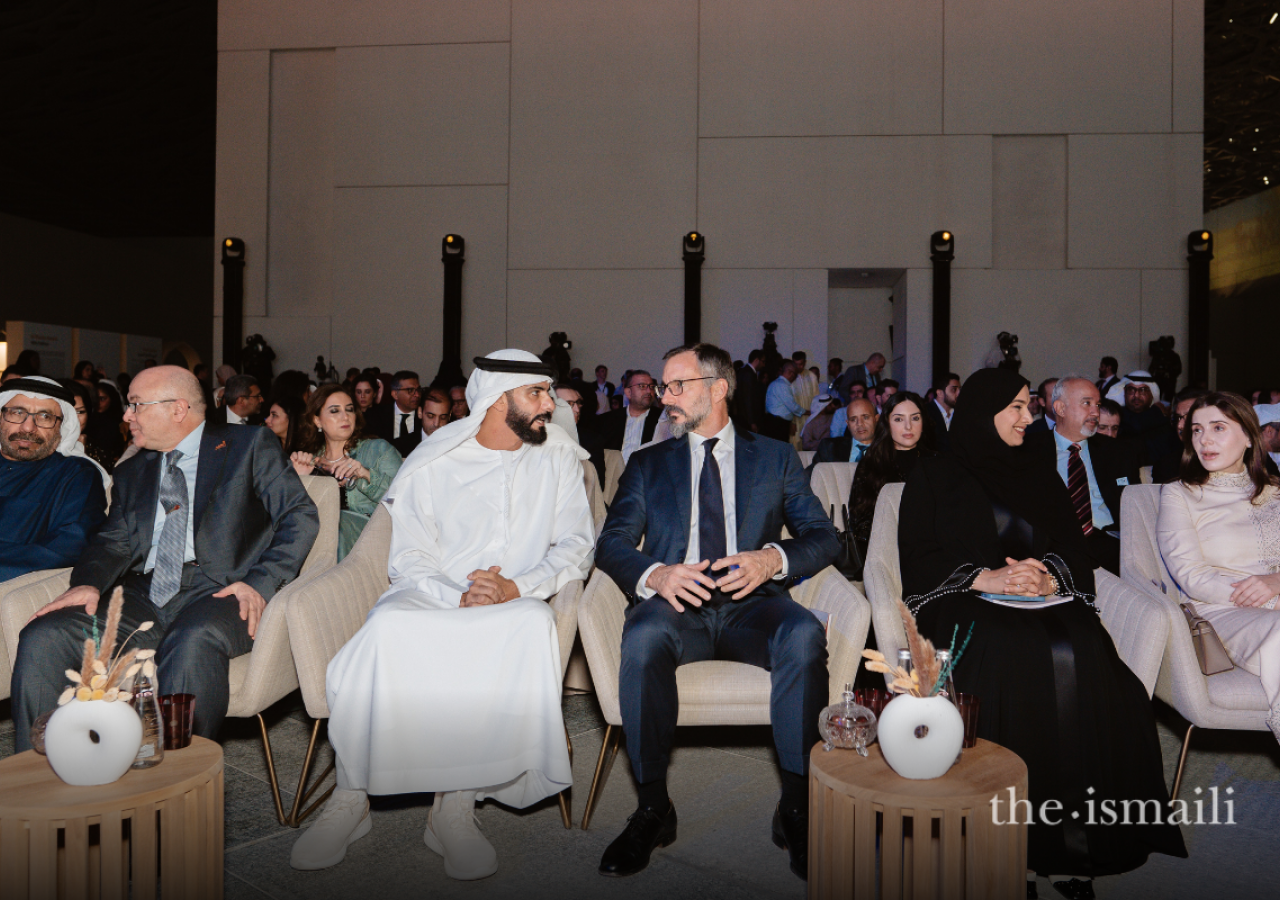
point(1219, 535)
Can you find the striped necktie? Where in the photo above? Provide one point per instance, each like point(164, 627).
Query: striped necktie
point(1078, 487)
point(171, 549)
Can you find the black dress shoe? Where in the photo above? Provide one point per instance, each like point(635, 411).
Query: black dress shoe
point(791, 833)
point(1075, 889)
point(646, 829)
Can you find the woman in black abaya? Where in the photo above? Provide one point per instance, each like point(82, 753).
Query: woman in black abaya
point(989, 517)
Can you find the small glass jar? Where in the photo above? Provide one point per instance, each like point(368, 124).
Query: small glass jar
point(847, 724)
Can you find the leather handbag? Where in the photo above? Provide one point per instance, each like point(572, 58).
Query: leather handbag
point(850, 561)
point(1210, 653)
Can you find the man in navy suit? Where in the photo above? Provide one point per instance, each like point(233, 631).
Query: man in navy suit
point(206, 525)
point(710, 582)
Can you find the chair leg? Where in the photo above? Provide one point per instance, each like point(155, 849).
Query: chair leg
point(293, 819)
point(611, 736)
point(566, 807)
point(1182, 761)
point(271, 771)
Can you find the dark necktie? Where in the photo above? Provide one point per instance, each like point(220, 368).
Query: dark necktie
point(404, 424)
point(858, 451)
point(711, 539)
point(1078, 487)
point(166, 577)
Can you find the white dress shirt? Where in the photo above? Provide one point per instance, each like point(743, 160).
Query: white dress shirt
point(232, 418)
point(946, 414)
point(634, 435)
point(724, 456)
point(396, 413)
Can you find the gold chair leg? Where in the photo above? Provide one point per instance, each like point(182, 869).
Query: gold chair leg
point(303, 794)
point(1182, 761)
point(271, 771)
point(293, 819)
point(611, 737)
point(566, 806)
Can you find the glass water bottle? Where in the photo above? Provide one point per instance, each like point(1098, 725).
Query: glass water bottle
point(146, 701)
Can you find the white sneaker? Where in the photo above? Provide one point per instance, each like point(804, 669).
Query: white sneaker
point(343, 821)
point(453, 833)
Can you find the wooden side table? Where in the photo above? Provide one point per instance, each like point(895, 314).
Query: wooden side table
point(154, 827)
point(937, 838)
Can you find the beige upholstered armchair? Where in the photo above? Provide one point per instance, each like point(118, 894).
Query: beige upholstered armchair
point(713, 692)
point(831, 483)
point(1233, 699)
point(259, 678)
point(13, 585)
point(595, 495)
point(1136, 625)
point(330, 611)
point(613, 466)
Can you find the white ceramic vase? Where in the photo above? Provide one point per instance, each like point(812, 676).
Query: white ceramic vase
point(920, 736)
point(92, 742)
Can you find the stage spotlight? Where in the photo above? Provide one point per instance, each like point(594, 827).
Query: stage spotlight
point(942, 246)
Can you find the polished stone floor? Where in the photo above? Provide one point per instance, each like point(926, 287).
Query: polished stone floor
point(725, 784)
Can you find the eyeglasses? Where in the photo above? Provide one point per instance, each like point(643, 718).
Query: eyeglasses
point(677, 387)
point(407, 390)
point(574, 403)
point(133, 407)
point(642, 386)
point(16, 415)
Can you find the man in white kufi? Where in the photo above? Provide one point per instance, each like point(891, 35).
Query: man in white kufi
point(453, 683)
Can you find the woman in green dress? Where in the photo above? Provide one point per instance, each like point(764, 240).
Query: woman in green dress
point(332, 443)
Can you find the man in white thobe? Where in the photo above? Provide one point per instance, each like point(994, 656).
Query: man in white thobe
point(453, 683)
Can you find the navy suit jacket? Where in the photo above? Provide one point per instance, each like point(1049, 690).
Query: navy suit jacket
point(253, 521)
point(655, 498)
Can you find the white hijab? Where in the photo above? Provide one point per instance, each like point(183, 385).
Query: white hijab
point(69, 438)
point(483, 390)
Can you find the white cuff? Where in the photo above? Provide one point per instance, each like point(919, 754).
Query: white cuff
point(643, 591)
point(782, 573)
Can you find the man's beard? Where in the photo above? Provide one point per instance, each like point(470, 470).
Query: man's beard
point(42, 448)
point(522, 425)
point(689, 421)
point(1089, 430)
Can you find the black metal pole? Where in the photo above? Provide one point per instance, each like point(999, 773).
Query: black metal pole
point(694, 254)
point(942, 250)
point(1199, 255)
point(452, 252)
point(232, 301)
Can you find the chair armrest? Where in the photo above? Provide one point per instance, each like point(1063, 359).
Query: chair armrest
point(601, 615)
point(565, 605)
point(271, 672)
point(850, 619)
point(21, 597)
point(1138, 624)
point(324, 613)
point(22, 612)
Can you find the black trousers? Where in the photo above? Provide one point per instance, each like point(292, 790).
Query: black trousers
point(195, 637)
point(772, 632)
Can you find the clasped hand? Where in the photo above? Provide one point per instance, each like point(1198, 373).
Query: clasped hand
point(488, 588)
point(693, 583)
point(1029, 578)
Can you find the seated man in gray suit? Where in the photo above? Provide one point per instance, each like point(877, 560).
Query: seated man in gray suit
point(206, 525)
point(710, 582)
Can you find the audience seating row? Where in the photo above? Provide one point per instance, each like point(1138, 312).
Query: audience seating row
point(258, 679)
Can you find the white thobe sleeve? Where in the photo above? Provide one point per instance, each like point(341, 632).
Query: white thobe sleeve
point(573, 547)
point(415, 559)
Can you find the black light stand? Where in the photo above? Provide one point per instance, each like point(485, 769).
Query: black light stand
point(694, 254)
point(942, 250)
